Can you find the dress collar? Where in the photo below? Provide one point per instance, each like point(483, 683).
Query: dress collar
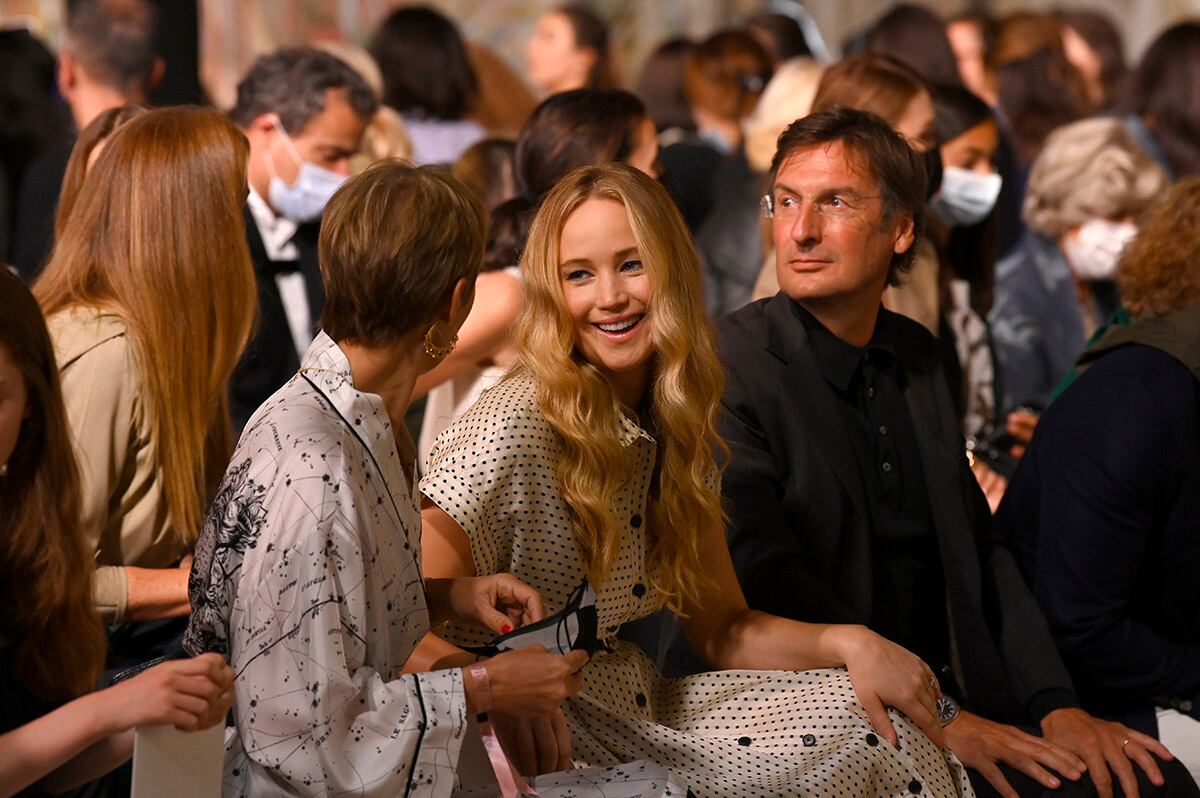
point(276, 231)
point(631, 431)
point(326, 367)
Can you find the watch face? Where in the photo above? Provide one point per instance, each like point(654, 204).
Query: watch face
point(947, 709)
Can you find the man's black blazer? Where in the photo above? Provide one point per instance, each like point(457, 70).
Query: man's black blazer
point(270, 358)
point(799, 526)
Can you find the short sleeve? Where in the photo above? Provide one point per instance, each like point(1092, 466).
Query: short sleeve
point(491, 467)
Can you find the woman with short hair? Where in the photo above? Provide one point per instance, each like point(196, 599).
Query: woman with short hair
point(307, 574)
point(1102, 513)
point(1085, 192)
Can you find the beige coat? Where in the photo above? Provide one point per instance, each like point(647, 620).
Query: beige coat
point(125, 514)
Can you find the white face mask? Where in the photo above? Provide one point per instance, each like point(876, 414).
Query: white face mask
point(966, 197)
point(1094, 252)
point(304, 200)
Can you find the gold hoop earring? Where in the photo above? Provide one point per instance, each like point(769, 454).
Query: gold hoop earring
point(433, 350)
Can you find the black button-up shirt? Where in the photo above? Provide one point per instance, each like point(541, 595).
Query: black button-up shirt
point(909, 605)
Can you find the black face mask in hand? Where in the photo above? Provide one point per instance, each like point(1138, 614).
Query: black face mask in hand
point(573, 629)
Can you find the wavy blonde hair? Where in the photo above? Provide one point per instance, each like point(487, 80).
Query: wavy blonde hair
point(582, 406)
point(156, 237)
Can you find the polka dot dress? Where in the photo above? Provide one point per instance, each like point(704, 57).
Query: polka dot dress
point(727, 733)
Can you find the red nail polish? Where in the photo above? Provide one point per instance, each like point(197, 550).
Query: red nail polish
point(505, 629)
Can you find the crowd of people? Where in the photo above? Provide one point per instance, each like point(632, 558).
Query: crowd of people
point(775, 428)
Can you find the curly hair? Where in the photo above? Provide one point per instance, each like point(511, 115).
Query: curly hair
point(1159, 272)
point(1091, 169)
point(583, 407)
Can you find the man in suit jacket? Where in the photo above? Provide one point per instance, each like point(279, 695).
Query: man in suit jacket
point(304, 113)
point(849, 496)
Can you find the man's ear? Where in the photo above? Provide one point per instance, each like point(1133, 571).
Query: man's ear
point(67, 74)
point(261, 131)
point(156, 75)
point(263, 123)
point(906, 233)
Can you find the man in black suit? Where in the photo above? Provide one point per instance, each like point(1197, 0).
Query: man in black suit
point(849, 496)
point(304, 113)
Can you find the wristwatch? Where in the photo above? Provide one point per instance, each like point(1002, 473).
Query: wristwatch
point(947, 710)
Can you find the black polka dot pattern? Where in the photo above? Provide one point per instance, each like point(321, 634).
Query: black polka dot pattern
point(729, 733)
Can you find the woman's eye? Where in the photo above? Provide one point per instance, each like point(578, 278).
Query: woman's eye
point(576, 275)
point(631, 265)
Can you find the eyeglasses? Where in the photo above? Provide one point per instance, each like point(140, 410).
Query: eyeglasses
point(835, 207)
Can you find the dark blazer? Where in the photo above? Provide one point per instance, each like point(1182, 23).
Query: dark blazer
point(799, 526)
point(270, 359)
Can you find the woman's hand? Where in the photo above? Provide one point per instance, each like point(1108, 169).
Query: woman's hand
point(527, 687)
point(1021, 424)
point(499, 602)
point(887, 675)
point(531, 682)
point(991, 483)
point(189, 694)
point(535, 745)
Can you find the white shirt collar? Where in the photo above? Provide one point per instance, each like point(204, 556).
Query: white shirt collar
point(326, 366)
point(276, 231)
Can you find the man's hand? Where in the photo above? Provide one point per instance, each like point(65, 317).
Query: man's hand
point(982, 744)
point(1106, 748)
